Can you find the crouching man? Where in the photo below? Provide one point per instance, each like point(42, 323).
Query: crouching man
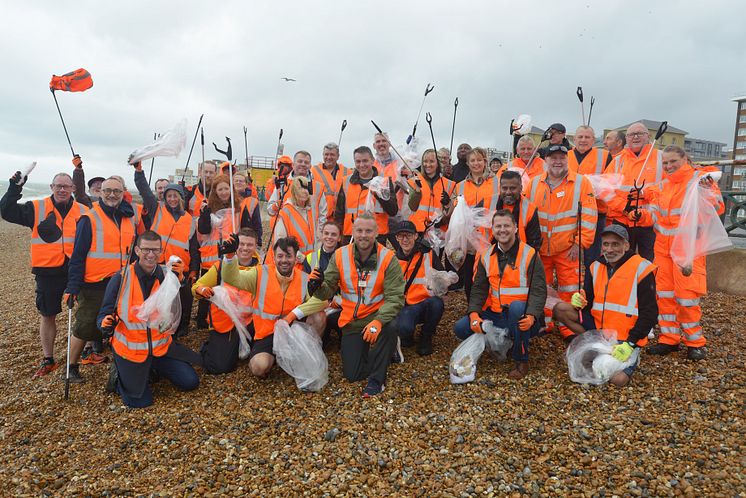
point(619, 294)
point(510, 280)
point(139, 349)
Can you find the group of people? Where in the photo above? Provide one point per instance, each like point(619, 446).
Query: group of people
point(350, 252)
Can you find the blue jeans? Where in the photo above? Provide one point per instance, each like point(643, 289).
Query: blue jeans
point(507, 320)
point(180, 373)
point(594, 252)
point(427, 312)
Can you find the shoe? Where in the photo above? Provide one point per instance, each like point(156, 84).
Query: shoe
point(90, 357)
point(662, 349)
point(75, 377)
point(47, 366)
point(98, 347)
point(696, 354)
point(425, 346)
point(398, 356)
point(111, 383)
point(520, 370)
point(202, 323)
point(374, 388)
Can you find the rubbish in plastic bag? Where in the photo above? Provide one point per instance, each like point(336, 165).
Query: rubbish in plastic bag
point(169, 144)
point(522, 125)
point(435, 238)
point(228, 299)
point(379, 185)
point(605, 185)
point(464, 231)
point(589, 359)
point(700, 230)
point(437, 282)
point(162, 309)
point(497, 340)
point(463, 364)
point(220, 226)
point(297, 349)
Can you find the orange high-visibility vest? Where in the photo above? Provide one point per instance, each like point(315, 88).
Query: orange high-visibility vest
point(528, 209)
point(301, 227)
point(558, 211)
point(615, 298)
point(355, 197)
point(175, 233)
point(330, 184)
point(594, 163)
point(417, 292)
point(629, 165)
point(430, 207)
point(52, 255)
point(486, 192)
point(109, 243)
point(195, 202)
point(518, 164)
point(270, 303)
point(362, 295)
point(513, 283)
point(130, 340)
point(219, 320)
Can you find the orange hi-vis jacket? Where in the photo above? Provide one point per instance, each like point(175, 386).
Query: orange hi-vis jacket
point(558, 212)
point(629, 165)
point(109, 243)
point(208, 246)
point(318, 190)
point(355, 197)
point(518, 164)
point(52, 255)
point(486, 192)
point(270, 303)
point(219, 319)
point(615, 297)
point(331, 185)
point(417, 292)
point(175, 233)
point(303, 228)
point(430, 207)
point(594, 163)
point(362, 295)
point(195, 202)
point(251, 204)
point(133, 339)
point(513, 283)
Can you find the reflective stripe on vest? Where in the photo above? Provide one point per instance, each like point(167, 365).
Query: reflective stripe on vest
point(263, 319)
point(512, 284)
point(354, 305)
point(305, 235)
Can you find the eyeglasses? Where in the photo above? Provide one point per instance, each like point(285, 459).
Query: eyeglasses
point(637, 134)
point(59, 186)
point(147, 250)
point(112, 191)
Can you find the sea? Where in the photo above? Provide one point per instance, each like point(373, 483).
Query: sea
point(31, 191)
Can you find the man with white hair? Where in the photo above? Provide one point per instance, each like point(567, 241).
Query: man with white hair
point(330, 174)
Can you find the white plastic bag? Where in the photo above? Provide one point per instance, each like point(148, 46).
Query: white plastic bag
point(463, 365)
point(497, 340)
point(437, 282)
point(228, 299)
point(700, 230)
point(162, 310)
point(522, 125)
point(605, 185)
point(379, 185)
point(463, 232)
point(435, 237)
point(298, 352)
point(169, 144)
point(589, 359)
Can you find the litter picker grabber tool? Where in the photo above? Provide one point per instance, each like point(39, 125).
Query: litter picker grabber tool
point(246, 146)
point(204, 182)
point(658, 134)
point(70, 304)
point(194, 140)
point(429, 120)
point(344, 125)
point(453, 128)
point(580, 255)
point(429, 88)
point(590, 111)
point(152, 161)
point(228, 153)
point(635, 205)
point(406, 165)
point(277, 151)
point(63, 124)
point(579, 93)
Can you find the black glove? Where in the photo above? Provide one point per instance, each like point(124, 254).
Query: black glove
point(280, 182)
point(229, 246)
point(17, 181)
point(418, 182)
point(636, 215)
point(445, 200)
point(48, 229)
point(315, 279)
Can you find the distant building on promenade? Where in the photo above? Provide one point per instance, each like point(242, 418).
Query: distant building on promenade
point(672, 136)
point(704, 150)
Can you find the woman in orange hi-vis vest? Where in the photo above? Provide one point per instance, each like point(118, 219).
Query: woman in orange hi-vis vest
point(430, 195)
point(679, 289)
point(299, 218)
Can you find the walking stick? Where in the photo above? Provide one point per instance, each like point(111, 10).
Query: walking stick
point(194, 140)
point(453, 126)
point(344, 125)
point(63, 123)
point(428, 88)
point(579, 93)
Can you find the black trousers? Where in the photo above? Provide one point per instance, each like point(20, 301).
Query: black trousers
point(467, 272)
point(360, 360)
point(186, 298)
point(203, 305)
point(220, 352)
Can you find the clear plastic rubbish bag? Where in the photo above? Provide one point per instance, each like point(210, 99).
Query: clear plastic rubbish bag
point(589, 359)
point(463, 365)
point(169, 144)
point(437, 282)
point(497, 340)
point(220, 226)
point(298, 351)
point(162, 309)
point(522, 125)
point(435, 237)
point(379, 185)
point(700, 230)
point(605, 185)
point(464, 232)
point(228, 299)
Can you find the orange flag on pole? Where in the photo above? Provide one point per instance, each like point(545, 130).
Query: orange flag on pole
point(75, 81)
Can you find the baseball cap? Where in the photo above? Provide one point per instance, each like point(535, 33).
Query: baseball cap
point(559, 127)
point(95, 179)
point(617, 230)
point(406, 226)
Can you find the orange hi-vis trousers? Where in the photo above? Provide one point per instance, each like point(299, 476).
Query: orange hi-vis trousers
point(678, 303)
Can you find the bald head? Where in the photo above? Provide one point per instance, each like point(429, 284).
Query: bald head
point(637, 137)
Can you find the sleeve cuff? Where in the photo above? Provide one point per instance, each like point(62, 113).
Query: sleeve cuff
point(299, 315)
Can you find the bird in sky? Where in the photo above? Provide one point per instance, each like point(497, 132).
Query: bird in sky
point(287, 79)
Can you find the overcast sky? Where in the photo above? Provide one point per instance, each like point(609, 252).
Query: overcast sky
point(154, 63)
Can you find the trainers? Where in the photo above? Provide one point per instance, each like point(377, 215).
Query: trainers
point(662, 349)
point(90, 357)
point(696, 354)
point(75, 377)
point(398, 356)
point(47, 366)
point(374, 388)
point(111, 383)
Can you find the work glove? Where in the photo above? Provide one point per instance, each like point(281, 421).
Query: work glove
point(138, 166)
point(48, 229)
point(17, 180)
point(371, 331)
point(526, 322)
point(622, 351)
point(300, 257)
point(228, 247)
point(634, 215)
point(315, 280)
point(418, 182)
point(205, 209)
point(77, 161)
point(69, 299)
point(204, 292)
point(578, 300)
point(475, 323)
point(445, 200)
point(108, 324)
point(193, 276)
point(290, 318)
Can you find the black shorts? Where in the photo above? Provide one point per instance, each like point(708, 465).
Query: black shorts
point(49, 291)
point(263, 345)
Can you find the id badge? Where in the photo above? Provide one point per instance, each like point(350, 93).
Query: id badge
point(561, 193)
point(362, 284)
